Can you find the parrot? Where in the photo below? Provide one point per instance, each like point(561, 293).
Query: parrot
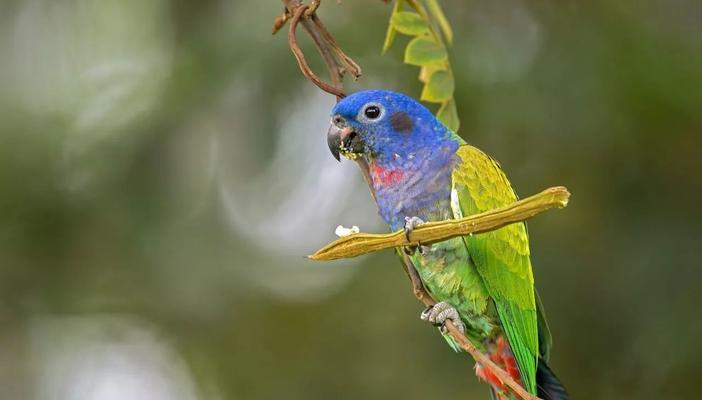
point(419, 170)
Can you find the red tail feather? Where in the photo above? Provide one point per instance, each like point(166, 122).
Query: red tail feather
point(500, 354)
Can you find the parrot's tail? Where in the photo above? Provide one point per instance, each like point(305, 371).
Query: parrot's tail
point(500, 354)
point(548, 386)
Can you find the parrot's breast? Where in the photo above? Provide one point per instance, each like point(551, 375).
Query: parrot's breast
point(417, 185)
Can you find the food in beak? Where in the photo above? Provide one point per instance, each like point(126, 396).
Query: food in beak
point(343, 141)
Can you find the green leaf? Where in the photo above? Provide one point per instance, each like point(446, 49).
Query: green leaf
point(390, 35)
point(424, 51)
point(448, 115)
point(426, 71)
point(439, 88)
point(409, 23)
point(389, 38)
point(438, 13)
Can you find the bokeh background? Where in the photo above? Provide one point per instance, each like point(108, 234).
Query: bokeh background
point(163, 170)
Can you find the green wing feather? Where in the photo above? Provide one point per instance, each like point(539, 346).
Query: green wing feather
point(501, 256)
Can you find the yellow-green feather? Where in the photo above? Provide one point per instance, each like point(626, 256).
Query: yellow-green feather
point(501, 256)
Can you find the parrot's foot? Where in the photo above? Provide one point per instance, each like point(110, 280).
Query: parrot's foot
point(409, 250)
point(439, 313)
point(410, 224)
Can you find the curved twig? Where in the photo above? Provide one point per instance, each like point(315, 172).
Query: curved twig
point(300, 56)
point(336, 72)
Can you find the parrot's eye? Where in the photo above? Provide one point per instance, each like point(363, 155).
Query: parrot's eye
point(371, 112)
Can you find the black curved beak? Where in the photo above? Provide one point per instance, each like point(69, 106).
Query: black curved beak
point(334, 141)
point(342, 140)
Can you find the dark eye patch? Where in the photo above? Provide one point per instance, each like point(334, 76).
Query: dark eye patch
point(401, 122)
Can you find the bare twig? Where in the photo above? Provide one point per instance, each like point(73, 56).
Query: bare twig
point(280, 21)
point(431, 232)
point(420, 292)
point(336, 71)
point(351, 66)
point(314, 5)
point(336, 60)
point(300, 56)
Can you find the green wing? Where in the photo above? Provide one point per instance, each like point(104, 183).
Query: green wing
point(501, 256)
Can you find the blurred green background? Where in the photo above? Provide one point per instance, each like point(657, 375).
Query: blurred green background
point(163, 169)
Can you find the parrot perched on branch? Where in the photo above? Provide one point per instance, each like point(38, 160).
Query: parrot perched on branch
point(419, 170)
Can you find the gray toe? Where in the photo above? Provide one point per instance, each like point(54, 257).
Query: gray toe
point(440, 313)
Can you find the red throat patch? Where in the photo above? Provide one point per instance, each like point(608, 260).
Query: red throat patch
point(385, 177)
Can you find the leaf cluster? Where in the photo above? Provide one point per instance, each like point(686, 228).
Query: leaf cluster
point(431, 34)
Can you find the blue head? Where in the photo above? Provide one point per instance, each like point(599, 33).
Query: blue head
point(381, 126)
point(405, 153)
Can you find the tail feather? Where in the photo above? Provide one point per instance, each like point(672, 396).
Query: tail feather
point(548, 386)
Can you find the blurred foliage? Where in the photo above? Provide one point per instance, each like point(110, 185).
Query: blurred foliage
point(141, 141)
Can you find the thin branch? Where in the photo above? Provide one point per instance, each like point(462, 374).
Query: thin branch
point(314, 5)
point(351, 66)
point(300, 56)
point(432, 232)
point(420, 292)
point(336, 72)
point(337, 62)
point(280, 21)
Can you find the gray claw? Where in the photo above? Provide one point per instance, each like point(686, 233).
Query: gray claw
point(410, 224)
point(409, 250)
point(439, 313)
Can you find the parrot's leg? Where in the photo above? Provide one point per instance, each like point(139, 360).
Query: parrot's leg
point(439, 313)
point(410, 224)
